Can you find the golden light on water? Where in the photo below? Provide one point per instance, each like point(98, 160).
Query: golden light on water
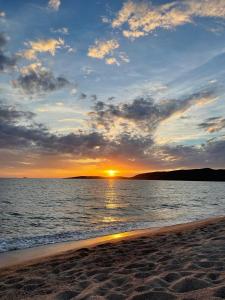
point(118, 235)
point(110, 219)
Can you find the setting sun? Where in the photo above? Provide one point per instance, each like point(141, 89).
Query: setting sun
point(111, 173)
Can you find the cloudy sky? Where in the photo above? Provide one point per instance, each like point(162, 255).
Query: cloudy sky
point(92, 85)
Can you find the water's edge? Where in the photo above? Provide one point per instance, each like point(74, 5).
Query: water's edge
point(12, 244)
point(36, 254)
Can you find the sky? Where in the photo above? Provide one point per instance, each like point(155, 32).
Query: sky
point(88, 86)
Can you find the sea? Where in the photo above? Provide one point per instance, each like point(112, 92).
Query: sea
point(36, 212)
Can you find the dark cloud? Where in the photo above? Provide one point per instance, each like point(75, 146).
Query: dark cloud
point(181, 156)
point(17, 128)
point(6, 61)
point(13, 134)
point(82, 96)
point(94, 97)
point(145, 112)
point(36, 137)
point(9, 115)
point(3, 40)
point(39, 80)
point(111, 98)
point(213, 124)
point(209, 154)
point(214, 152)
point(99, 106)
point(130, 146)
point(19, 131)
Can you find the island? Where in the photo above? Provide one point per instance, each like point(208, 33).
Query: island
point(205, 174)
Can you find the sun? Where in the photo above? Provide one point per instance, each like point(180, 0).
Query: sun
point(111, 173)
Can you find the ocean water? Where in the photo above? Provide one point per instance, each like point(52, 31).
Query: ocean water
point(43, 211)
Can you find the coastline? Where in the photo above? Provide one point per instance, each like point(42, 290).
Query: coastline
point(29, 256)
point(174, 262)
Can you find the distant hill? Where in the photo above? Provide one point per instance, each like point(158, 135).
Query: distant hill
point(96, 177)
point(188, 175)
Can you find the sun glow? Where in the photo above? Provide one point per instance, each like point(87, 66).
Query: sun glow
point(111, 173)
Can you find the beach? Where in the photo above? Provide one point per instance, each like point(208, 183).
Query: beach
point(184, 261)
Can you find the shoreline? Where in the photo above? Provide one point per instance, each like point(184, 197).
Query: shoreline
point(178, 262)
point(29, 256)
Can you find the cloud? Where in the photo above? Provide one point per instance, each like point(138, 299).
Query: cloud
point(105, 50)
point(54, 4)
point(206, 8)
point(112, 61)
point(6, 62)
point(125, 13)
point(209, 154)
point(87, 70)
point(82, 96)
point(101, 49)
point(213, 124)
point(36, 137)
point(62, 30)
point(144, 112)
point(35, 79)
point(12, 133)
point(2, 14)
point(10, 115)
point(41, 46)
point(111, 98)
point(143, 18)
point(214, 151)
point(94, 97)
point(105, 19)
point(133, 34)
point(3, 40)
point(70, 49)
point(180, 156)
point(124, 57)
point(34, 67)
point(129, 146)
point(20, 132)
point(73, 91)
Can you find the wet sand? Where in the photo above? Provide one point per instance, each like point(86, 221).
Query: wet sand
point(177, 262)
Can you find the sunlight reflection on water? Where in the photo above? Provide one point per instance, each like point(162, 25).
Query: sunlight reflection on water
point(40, 211)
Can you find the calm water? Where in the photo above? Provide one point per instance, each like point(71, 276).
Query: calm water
point(35, 212)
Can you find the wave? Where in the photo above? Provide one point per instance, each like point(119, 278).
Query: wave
point(39, 240)
point(11, 244)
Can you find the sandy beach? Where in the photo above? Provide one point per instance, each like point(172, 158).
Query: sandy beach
point(177, 262)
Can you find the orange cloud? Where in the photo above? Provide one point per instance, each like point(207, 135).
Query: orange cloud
point(41, 46)
point(143, 18)
point(112, 61)
point(54, 4)
point(102, 48)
